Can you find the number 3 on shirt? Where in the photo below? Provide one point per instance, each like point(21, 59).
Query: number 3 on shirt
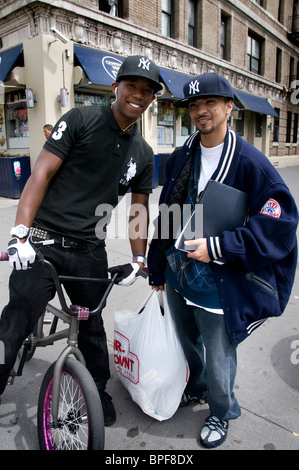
point(61, 128)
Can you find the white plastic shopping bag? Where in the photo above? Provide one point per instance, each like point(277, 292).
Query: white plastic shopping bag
point(149, 358)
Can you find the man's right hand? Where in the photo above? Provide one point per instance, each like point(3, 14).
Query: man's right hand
point(157, 288)
point(21, 255)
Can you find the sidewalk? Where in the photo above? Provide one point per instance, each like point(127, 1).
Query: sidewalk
point(267, 382)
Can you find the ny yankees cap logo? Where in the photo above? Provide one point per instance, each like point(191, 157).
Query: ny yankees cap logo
point(140, 66)
point(203, 86)
point(194, 87)
point(144, 63)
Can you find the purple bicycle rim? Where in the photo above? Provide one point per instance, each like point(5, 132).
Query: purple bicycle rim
point(47, 412)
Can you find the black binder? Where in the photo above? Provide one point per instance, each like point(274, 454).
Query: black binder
point(219, 208)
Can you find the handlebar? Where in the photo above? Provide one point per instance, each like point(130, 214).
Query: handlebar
point(4, 256)
point(59, 279)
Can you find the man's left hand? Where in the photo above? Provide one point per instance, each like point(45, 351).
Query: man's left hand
point(126, 273)
point(201, 252)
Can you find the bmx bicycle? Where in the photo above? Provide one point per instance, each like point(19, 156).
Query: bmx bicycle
point(69, 412)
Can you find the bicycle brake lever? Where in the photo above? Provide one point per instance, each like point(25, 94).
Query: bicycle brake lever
point(143, 273)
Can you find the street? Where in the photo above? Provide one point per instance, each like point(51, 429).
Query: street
point(267, 384)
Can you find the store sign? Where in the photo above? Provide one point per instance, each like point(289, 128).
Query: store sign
point(111, 66)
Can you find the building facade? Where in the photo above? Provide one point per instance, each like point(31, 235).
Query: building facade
point(56, 54)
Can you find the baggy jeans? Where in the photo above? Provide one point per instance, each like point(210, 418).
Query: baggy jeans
point(211, 357)
point(31, 290)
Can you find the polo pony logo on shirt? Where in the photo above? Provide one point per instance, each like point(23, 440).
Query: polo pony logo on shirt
point(144, 63)
point(131, 172)
point(194, 87)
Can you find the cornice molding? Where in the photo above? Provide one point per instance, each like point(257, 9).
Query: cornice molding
point(103, 32)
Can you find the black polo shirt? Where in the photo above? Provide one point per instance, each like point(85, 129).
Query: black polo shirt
point(100, 163)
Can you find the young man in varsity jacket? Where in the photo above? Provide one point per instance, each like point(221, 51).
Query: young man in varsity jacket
point(216, 305)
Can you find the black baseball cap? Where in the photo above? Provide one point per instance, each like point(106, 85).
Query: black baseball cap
point(140, 66)
point(202, 86)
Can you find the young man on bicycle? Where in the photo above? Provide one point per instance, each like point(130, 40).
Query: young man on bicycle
point(93, 156)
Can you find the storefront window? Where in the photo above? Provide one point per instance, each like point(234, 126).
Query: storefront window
point(174, 124)
point(83, 99)
point(166, 113)
point(17, 128)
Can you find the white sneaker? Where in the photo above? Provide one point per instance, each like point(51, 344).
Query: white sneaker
point(214, 432)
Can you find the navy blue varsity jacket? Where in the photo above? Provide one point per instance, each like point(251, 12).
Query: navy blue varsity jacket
point(256, 279)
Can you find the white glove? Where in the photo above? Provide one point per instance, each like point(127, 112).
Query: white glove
point(126, 273)
point(21, 255)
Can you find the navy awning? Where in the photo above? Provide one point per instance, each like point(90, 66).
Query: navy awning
point(7, 60)
point(174, 81)
point(254, 103)
point(100, 67)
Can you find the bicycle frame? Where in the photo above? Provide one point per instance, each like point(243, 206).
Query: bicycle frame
point(71, 333)
point(72, 316)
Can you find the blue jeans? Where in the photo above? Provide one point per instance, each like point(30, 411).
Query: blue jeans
point(211, 357)
point(31, 290)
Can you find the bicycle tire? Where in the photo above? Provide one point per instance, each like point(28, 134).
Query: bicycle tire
point(80, 414)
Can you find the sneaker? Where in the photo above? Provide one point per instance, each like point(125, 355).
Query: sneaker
point(187, 399)
point(214, 432)
point(108, 409)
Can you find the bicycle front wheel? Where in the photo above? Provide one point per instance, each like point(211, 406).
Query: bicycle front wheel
point(80, 421)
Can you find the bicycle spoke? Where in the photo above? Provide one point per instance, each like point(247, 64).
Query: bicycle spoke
point(71, 432)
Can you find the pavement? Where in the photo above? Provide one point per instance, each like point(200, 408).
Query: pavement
point(267, 382)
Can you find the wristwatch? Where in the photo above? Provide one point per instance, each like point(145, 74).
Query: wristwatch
point(139, 259)
point(20, 231)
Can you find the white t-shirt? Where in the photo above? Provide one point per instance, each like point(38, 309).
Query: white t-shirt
point(209, 161)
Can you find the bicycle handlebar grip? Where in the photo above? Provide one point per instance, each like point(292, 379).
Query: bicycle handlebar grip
point(4, 256)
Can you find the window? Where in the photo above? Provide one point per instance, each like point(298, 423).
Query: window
point(295, 129)
point(292, 75)
point(240, 123)
point(223, 38)
point(166, 18)
point(276, 126)
point(280, 11)
point(289, 127)
point(254, 53)
point(113, 7)
point(84, 99)
point(16, 121)
point(192, 24)
point(258, 125)
point(166, 123)
point(174, 124)
point(259, 2)
point(278, 65)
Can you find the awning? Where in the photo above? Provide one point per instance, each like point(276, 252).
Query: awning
point(100, 67)
point(174, 81)
point(254, 103)
point(7, 60)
